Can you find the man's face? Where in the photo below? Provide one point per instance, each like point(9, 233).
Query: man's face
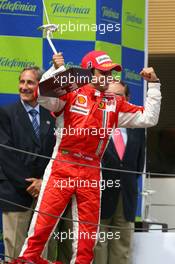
point(103, 78)
point(27, 84)
point(118, 89)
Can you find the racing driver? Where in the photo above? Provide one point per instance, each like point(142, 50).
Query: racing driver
point(76, 156)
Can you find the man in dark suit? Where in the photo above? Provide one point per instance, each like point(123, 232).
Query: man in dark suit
point(27, 126)
point(119, 203)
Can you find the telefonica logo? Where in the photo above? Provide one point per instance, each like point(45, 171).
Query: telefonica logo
point(58, 8)
point(110, 13)
point(132, 75)
point(70, 64)
point(132, 18)
point(14, 64)
point(7, 5)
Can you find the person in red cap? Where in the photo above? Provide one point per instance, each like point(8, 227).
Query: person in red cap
point(91, 111)
point(102, 67)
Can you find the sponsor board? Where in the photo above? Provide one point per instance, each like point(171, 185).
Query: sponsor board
point(133, 24)
point(115, 26)
point(133, 63)
point(109, 19)
point(21, 18)
point(14, 56)
point(73, 51)
point(76, 18)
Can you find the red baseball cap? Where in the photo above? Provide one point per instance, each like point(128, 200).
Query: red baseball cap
point(99, 60)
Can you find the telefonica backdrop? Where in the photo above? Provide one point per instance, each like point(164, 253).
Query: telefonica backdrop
point(116, 26)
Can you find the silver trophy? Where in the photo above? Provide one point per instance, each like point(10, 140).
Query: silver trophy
point(49, 29)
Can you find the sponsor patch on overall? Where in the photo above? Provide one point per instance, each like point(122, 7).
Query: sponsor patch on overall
point(81, 100)
point(102, 105)
point(79, 110)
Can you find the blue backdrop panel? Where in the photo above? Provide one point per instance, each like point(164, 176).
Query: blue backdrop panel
point(133, 63)
point(73, 51)
point(21, 18)
point(8, 98)
point(109, 12)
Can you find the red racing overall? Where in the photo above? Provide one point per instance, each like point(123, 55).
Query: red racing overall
point(88, 117)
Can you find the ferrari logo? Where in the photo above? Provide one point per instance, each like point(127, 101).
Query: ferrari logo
point(102, 105)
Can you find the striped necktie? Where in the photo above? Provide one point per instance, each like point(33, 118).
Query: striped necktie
point(35, 124)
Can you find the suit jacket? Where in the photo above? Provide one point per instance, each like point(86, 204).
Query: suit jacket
point(16, 130)
point(133, 160)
